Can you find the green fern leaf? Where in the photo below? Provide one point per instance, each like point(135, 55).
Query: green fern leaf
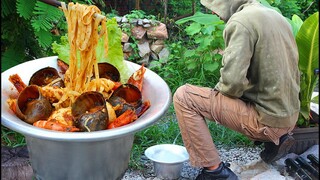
point(44, 38)
point(308, 44)
point(7, 7)
point(46, 15)
point(39, 23)
point(25, 8)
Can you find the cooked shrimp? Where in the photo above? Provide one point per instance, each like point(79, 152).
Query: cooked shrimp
point(51, 125)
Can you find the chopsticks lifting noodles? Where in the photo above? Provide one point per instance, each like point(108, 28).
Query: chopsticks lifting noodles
point(63, 5)
point(52, 2)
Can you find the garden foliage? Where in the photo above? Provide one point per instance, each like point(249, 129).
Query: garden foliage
point(195, 57)
point(307, 40)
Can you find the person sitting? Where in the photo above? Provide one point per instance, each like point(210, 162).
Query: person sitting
point(257, 93)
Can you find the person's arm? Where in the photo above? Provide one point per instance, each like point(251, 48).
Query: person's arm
point(236, 60)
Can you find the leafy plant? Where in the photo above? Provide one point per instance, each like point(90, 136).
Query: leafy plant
point(139, 14)
point(296, 23)
point(27, 31)
point(302, 8)
point(180, 8)
point(205, 30)
point(199, 60)
point(307, 40)
point(307, 8)
point(267, 4)
point(287, 7)
point(194, 56)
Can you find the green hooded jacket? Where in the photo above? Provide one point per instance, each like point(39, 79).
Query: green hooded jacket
point(260, 61)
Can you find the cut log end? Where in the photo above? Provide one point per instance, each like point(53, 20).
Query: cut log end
point(15, 163)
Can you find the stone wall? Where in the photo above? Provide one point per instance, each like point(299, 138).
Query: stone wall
point(149, 35)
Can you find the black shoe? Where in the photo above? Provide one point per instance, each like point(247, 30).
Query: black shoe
point(221, 173)
point(274, 152)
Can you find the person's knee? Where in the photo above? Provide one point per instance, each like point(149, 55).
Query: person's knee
point(179, 94)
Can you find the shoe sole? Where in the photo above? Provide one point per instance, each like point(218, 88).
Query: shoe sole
point(282, 151)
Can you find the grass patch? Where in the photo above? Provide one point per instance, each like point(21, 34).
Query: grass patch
point(11, 138)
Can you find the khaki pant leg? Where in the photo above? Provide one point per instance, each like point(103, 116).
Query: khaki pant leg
point(243, 117)
point(194, 104)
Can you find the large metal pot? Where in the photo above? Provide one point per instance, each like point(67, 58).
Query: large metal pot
point(82, 155)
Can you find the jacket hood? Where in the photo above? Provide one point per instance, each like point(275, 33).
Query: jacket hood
point(225, 8)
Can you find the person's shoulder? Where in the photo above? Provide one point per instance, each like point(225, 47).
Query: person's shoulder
point(254, 12)
point(250, 10)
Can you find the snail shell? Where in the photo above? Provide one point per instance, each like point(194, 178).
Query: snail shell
point(32, 106)
point(90, 111)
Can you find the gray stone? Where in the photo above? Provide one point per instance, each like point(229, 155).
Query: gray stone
point(154, 56)
point(118, 19)
point(124, 38)
point(158, 32)
point(146, 21)
point(134, 21)
point(124, 20)
point(164, 54)
point(144, 49)
point(146, 25)
point(140, 23)
point(144, 60)
point(127, 47)
point(156, 48)
point(138, 32)
point(158, 42)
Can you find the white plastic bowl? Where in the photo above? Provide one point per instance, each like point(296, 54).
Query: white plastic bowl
point(167, 159)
